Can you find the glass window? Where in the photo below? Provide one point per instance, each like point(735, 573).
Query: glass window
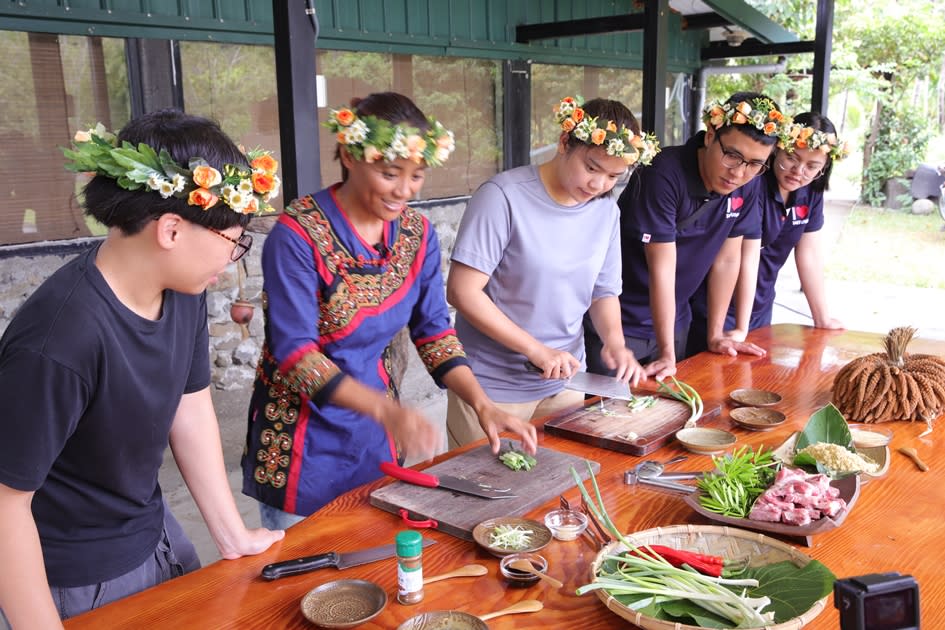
point(235, 85)
point(552, 83)
point(51, 86)
point(460, 93)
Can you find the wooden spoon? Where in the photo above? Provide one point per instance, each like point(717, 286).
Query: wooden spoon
point(528, 567)
point(467, 571)
point(911, 454)
point(524, 606)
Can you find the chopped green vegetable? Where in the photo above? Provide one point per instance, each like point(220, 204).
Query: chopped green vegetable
point(685, 393)
point(738, 480)
point(510, 537)
point(638, 403)
point(517, 460)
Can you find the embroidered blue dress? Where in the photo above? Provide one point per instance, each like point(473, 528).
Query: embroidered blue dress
point(332, 305)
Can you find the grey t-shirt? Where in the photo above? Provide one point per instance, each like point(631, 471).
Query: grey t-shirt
point(546, 264)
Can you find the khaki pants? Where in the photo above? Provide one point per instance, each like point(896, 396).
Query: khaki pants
point(462, 423)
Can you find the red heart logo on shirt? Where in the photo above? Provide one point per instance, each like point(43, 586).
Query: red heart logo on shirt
point(737, 203)
point(801, 212)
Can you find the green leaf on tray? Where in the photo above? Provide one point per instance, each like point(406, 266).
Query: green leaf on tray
point(793, 590)
point(826, 425)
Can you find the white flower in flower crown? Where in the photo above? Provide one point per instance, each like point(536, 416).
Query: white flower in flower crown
point(583, 131)
point(166, 189)
point(356, 132)
point(399, 145)
point(615, 147)
point(178, 182)
point(245, 187)
point(154, 182)
point(236, 199)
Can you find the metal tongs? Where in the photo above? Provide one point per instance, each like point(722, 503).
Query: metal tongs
point(651, 474)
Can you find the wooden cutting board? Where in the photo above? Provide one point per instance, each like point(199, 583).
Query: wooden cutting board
point(613, 427)
point(457, 514)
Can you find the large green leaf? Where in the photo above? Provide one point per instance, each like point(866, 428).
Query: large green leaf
point(826, 425)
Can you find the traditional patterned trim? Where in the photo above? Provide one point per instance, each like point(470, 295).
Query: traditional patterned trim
point(310, 373)
point(353, 292)
point(435, 352)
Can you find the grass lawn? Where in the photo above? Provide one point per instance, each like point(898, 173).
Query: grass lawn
point(891, 247)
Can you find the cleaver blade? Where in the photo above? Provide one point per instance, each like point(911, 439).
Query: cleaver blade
point(594, 384)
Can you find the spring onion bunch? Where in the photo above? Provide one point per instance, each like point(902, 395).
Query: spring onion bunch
point(685, 393)
point(737, 481)
point(645, 572)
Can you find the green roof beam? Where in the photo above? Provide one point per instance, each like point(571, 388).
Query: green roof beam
point(752, 20)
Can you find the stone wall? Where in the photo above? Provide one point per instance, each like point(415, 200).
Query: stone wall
point(233, 351)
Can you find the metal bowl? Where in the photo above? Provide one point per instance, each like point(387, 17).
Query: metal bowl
point(444, 620)
point(343, 603)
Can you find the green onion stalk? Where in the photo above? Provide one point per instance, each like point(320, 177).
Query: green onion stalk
point(685, 393)
point(646, 573)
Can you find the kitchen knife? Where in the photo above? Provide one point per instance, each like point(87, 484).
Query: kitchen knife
point(332, 559)
point(594, 384)
point(445, 481)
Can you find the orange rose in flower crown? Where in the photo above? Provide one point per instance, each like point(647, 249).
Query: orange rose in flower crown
point(141, 167)
point(620, 142)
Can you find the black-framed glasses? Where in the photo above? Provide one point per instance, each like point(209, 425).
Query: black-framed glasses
point(243, 243)
point(734, 159)
point(789, 162)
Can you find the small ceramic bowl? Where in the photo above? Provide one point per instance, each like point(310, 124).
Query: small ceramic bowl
point(539, 535)
point(869, 435)
point(343, 603)
point(705, 441)
point(566, 524)
point(518, 578)
point(755, 397)
point(757, 418)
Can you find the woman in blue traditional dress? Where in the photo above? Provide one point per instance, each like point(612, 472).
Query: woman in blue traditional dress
point(344, 271)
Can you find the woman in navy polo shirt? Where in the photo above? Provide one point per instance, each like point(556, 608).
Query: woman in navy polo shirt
point(792, 215)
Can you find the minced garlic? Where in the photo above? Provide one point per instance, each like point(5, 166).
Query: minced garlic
point(839, 459)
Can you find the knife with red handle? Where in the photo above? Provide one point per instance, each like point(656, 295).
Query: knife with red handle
point(447, 482)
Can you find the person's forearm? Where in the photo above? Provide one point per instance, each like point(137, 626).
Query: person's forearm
point(487, 318)
point(195, 442)
point(810, 271)
point(605, 315)
point(462, 382)
point(747, 283)
point(720, 285)
point(661, 260)
point(24, 589)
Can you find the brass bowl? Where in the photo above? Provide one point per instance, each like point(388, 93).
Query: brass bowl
point(757, 418)
point(343, 603)
point(755, 397)
point(444, 620)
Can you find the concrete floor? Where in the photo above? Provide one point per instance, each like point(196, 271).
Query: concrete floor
point(859, 307)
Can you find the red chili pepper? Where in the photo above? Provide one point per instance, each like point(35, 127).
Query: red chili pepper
point(703, 563)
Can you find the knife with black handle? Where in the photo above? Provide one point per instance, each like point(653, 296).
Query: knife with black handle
point(334, 559)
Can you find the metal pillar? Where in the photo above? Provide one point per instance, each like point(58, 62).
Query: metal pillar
point(655, 44)
point(296, 31)
point(820, 91)
point(516, 113)
point(154, 75)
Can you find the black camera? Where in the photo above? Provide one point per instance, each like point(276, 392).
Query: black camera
point(878, 601)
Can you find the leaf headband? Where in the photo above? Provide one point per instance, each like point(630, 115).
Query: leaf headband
point(246, 190)
point(623, 143)
point(797, 136)
point(370, 138)
point(759, 112)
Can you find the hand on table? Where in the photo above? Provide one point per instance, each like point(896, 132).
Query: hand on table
point(732, 343)
point(660, 369)
point(829, 324)
point(250, 543)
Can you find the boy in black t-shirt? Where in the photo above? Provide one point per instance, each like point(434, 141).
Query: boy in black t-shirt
point(107, 363)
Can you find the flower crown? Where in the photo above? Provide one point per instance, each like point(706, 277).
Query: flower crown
point(370, 138)
point(243, 190)
point(797, 136)
point(759, 112)
point(623, 143)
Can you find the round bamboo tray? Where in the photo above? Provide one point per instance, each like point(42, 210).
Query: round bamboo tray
point(728, 542)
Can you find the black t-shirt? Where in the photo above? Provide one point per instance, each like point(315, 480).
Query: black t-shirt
point(88, 391)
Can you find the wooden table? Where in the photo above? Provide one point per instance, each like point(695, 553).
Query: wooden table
point(896, 525)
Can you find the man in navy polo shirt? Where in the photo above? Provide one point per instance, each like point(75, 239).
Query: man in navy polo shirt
point(683, 220)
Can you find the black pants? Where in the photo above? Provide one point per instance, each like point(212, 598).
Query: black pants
point(644, 349)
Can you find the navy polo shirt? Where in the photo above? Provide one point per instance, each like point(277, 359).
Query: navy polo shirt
point(654, 208)
point(783, 225)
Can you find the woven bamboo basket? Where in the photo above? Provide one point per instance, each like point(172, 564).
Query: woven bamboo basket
point(728, 542)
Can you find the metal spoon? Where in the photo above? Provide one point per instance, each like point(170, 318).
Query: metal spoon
point(527, 567)
point(524, 606)
point(469, 570)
